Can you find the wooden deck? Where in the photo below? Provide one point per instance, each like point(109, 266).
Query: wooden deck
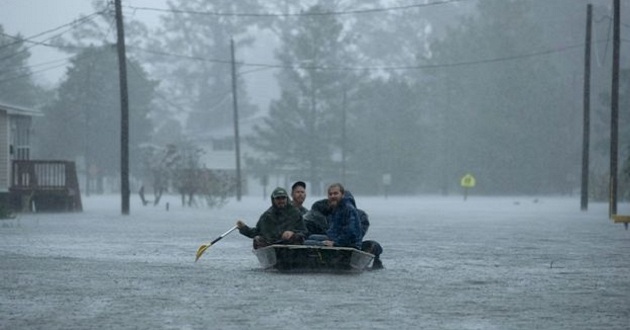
point(45, 185)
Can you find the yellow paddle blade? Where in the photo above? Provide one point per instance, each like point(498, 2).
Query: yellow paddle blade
point(201, 250)
point(204, 247)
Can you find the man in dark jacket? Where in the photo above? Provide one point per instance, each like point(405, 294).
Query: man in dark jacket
point(344, 228)
point(317, 223)
point(280, 224)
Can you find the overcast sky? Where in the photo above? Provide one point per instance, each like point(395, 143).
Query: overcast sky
point(31, 17)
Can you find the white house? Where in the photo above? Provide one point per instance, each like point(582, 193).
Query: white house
point(220, 154)
point(15, 129)
point(27, 184)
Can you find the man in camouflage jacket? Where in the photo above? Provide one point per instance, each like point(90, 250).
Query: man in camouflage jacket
point(280, 224)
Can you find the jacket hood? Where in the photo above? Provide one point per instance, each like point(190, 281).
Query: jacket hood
point(348, 197)
point(278, 192)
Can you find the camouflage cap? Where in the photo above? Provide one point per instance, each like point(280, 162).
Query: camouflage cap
point(279, 192)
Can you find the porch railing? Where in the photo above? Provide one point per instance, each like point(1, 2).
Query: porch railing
point(41, 177)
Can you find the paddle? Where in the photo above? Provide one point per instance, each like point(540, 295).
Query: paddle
point(204, 247)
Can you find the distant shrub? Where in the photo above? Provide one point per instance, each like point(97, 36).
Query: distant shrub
point(5, 212)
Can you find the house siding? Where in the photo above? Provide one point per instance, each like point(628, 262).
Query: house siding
point(4, 152)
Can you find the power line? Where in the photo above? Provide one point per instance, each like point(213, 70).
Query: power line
point(168, 101)
point(609, 18)
point(189, 57)
point(13, 69)
point(30, 40)
point(327, 13)
point(263, 66)
point(38, 43)
point(156, 92)
point(74, 22)
point(31, 73)
point(368, 68)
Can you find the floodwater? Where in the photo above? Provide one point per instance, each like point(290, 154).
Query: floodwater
point(484, 263)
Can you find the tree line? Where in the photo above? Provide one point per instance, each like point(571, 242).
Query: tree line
point(494, 92)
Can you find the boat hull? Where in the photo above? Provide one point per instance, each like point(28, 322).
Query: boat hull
point(307, 258)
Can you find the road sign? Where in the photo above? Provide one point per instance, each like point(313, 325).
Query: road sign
point(468, 181)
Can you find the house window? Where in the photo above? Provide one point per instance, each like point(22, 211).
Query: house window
point(225, 144)
point(20, 137)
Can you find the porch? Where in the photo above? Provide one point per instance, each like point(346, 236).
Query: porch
point(44, 185)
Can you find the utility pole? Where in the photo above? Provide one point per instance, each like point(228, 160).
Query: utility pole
point(614, 109)
point(236, 136)
point(343, 134)
point(586, 128)
point(124, 109)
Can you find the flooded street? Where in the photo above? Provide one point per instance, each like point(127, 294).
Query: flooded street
point(484, 263)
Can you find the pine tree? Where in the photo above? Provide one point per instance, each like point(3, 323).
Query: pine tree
point(84, 119)
point(16, 85)
point(304, 129)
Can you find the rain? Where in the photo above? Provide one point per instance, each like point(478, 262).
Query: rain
point(488, 140)
point(483, 263)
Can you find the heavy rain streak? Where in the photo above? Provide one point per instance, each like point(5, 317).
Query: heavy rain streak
point(488, 141)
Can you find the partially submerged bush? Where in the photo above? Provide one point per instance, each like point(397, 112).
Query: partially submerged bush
point(5, 212)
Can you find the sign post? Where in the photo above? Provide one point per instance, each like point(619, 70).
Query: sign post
point(387, 181)
point(467, 181)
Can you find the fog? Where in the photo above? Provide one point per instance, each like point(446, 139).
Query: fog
point(389, 97)
point(402, 101)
